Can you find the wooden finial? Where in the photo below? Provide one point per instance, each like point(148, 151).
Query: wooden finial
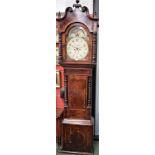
point(59, 14)
point(77, 1)
point(77, 5)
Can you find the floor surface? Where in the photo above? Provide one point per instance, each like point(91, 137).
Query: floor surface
point(96, 150)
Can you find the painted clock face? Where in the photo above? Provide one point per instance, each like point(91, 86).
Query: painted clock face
point(77, 48)
point(77, 45)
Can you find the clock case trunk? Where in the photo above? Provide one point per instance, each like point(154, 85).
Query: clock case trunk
point(78, 122)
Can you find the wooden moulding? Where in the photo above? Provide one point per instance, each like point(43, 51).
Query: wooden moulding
point(78, 113)
point(77, 122)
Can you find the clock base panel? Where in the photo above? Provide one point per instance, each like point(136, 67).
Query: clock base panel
point(77, 136)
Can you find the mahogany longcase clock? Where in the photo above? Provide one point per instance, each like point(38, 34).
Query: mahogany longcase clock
point(77, 54)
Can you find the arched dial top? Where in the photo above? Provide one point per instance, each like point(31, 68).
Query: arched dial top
point(77, 44)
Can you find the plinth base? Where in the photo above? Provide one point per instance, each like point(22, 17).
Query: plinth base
point(70, 152)
point(77, 137)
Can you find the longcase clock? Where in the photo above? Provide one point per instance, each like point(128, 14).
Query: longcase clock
point(77, 54)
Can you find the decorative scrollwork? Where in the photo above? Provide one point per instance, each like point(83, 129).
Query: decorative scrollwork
point(69, 9)
point(77, 5)
point(84, 9)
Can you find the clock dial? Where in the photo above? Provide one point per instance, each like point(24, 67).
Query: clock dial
point(77, 44)
point(77, 48)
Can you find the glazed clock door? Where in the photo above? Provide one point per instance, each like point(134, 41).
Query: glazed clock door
point(77, 45)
